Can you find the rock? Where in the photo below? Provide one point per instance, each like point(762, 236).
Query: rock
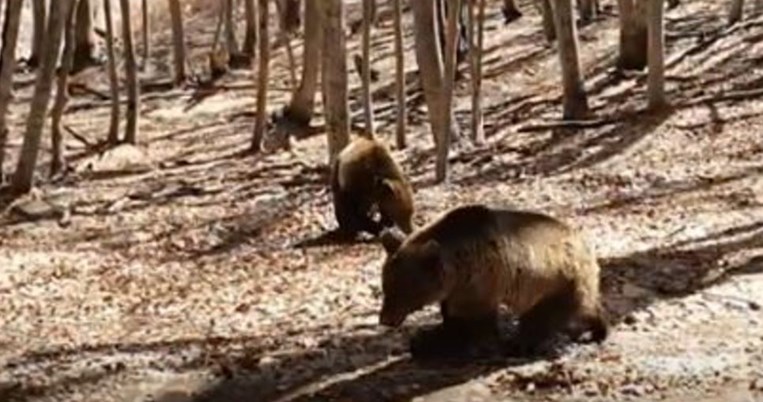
point(35, 210)
point(125, 158)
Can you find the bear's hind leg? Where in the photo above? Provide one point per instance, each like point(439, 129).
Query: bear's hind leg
point(542, 321)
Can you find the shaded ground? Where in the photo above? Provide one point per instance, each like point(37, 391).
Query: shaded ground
point(179, 280)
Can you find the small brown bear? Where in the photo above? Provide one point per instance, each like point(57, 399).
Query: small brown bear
point(474, 258)
point(363, 177)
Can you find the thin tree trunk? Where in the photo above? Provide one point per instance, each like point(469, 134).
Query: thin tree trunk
point(84, 52)
point(62, 92)
point(178, 40)
point(285, 33)
point(368, 106)
point(38, 35)
point(575, 103)
point(399, 74)
point(587, 10)
point(250, 33)
point(656, 79)
point(441, 168)
point(334, 66)
point(547, 13)
point(476, 29)
point(230, 28)
point(131, 73)
point(263, 40)
point(735, 11)
point(302, 105)
point(145, 32)
point(429, 60)
point(633, 35)
point(23, 178)
point(7, 67)
point(113, 135)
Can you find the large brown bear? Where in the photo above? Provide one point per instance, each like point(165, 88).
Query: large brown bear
point(364, 177)
point(474, 258)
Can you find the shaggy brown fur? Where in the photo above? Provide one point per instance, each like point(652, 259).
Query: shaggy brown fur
point(474, 258)
point(363, 177)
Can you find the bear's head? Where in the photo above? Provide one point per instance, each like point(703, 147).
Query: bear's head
point(412, 276)
point(395, 201)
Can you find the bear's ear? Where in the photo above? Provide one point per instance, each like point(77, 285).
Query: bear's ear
point(391, 240)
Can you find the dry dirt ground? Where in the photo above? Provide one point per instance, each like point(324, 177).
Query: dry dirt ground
point(177, 279)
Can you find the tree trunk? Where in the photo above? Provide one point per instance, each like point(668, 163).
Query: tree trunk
point(263, 72)
point(575, 103)
point(145, 32)
point(547, 13)
point(285, 33)
point(84, 52)
point(38, 35)
point(399, 74)
point(250, 33)
point(302, 105)
point(334, 67)
point(7, 67)
point(131, 74)
point(587, 10)
point(429, 60)
point(22, 179)
point(62, 92)
point(476, 33)
point(656, 79)
point(451, 38)
point(178, 40)
point(735, 11)
point(633, 34)
point(113, 135)
point(368, 106)
point(510, 11)
point(230, 28)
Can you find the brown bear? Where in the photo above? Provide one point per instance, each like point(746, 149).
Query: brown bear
point(475, 258)
point(364, 177)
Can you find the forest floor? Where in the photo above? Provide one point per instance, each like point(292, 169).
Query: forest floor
point(177, 278)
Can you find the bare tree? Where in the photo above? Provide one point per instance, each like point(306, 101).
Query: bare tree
point(84, 52)
point(735, 11)
point(399, 74)
point(7, 66)
point(38, 35)
point(300, 109)
point(145, 32)
point(131, 73)
point(178, 40)
point(113, 136)
point(285, 32)
point(250, 32)
point(575, 103)
point(24, 175)
point(587, 10)
point(368, 106)
point(476, 34)
point(633, 35)
point(429, 60)
point(441, 167)
point(62, 92)
point(263, 71)
point(334, 67)
point(656, 79)
point(547, 13)
point(230, 27)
